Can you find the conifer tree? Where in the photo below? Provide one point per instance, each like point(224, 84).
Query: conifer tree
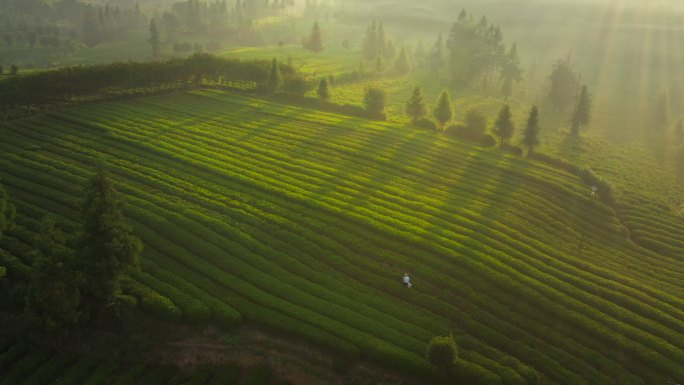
point(53, 296)
point(564, 83)
point(415, 107)
point(315, 41)
point(374, 101)
point(582, 112)
point(275, 78)
point(107, 246)
point(370, 42)
point(154, 37)
point(442, 110)
point(435, 58)
point(323, 90)
point(381, 41)
point(402, 65)
point(531, 133)
point(503, 126)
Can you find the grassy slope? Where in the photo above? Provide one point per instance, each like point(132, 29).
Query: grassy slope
point(304, 222)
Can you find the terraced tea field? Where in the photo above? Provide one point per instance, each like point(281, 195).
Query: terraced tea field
point(304, 222)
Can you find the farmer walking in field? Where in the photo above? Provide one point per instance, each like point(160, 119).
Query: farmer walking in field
point(407, 280)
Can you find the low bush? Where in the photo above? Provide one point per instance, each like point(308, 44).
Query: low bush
point(487, 140)
point(425, 124)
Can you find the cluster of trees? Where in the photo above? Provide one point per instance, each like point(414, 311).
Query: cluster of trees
point(566, 90)
point(475, 123)
point(477, 54)
point(100, 23)
point(75, 278)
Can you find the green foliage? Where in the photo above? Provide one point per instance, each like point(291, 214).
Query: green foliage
point(314, 42)
point(531, 134)
point(442, 352)
point(296, 85)
point(374, 101)
point(426, 124)
point(53, 296)
point(435, 58)
point(475, 123)
point(154, 37)
point(442, 110)
point(107, 246)
point(661, 113)
point(564, 82)
point(323, 91)
point(7, 211)
point(582, 112)
point(275, 77)
point(402, 64)
point(415, 107)
point(510, 71)
point(503, 126)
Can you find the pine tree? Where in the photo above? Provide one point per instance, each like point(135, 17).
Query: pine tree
point(154, 37)
point(582, 112)
point(107, 246)
point(503, 126)
point(415, 107)
point(381, 41)
point(402, 65)
point(374, 101)
point(531, 133)
point(323, 90)
point(435, 58)
point(53, 296)
point(442, 110)
point(564, 81)
point(275, 78)
point(315, 41)
point(370, 42)
point(510, 71)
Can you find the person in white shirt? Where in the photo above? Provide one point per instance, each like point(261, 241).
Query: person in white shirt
point(407, 280)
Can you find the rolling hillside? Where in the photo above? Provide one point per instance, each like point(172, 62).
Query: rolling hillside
point(304, 222)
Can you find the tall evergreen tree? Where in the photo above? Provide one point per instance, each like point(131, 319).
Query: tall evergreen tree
point(323, 90)
point(582, 112)
point(402, 65)
point(531, 133)
point(315, 41)
point(53, 296)
point(415, 107)
point(370, 42)
point(503, 126)
point(374, 101)
point(382, 41)
point(435, 57)
point(442, 110)
point(107, 245)
point(154, 37)
point(275, 78)
point(510, 71)
point(564, 82)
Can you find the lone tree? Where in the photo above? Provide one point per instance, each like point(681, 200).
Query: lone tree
point(275, 78)
point(531, 133)
point(475, 124)
point(53, 296)
point(503, 126)
point(107, 245)
point(442, 111)
point(582, 113)
point(323, 91)
point(415, 107)
point(374, 101)
point(154, 37)
point(314, 42)
point(441, 353)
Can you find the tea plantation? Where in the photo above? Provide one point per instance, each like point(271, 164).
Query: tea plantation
point(304, 222)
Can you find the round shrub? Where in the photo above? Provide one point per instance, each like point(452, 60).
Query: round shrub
point(442, 351)
point(487, 140)
point(425, 124)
